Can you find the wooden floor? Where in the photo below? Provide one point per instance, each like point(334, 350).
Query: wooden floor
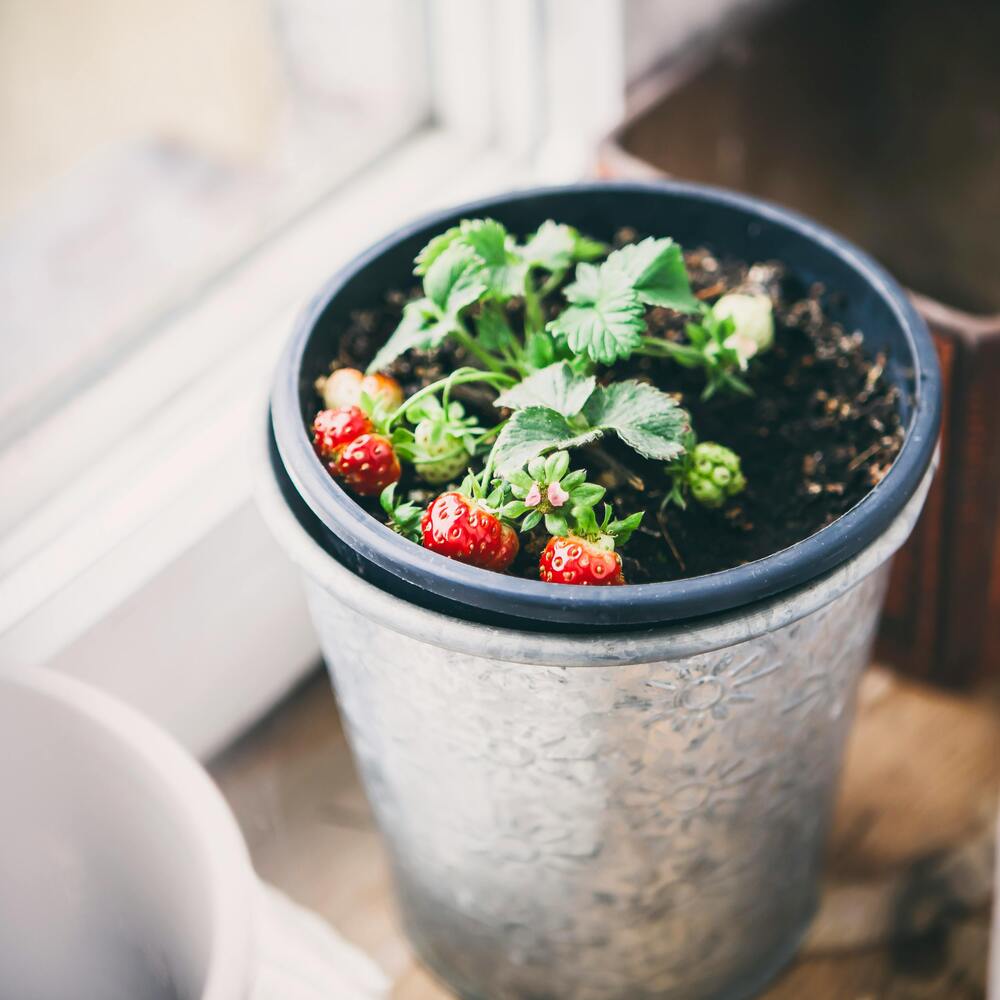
point(905, 912)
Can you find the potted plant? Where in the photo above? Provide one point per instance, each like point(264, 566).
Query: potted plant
point(596, 550)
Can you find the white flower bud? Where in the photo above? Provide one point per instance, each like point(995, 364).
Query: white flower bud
point(753, 319)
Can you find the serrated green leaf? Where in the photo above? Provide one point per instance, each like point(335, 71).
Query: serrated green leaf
point(645, 418)
point(605, 320)
point(532, 432)
point(655, 270)
point(505, 270)
point(422, 326)
point(555, 386)
point(555, 247)
point(434, 249)
point(550, 247)
point(456, 279)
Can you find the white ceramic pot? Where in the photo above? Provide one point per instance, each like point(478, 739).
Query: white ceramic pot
point(123, 875)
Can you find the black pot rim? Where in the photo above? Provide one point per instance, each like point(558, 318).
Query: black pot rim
point(509, 598)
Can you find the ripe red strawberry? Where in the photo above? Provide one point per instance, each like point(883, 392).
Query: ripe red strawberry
point(571, 559)
point(458, 527)
point(367, 465)
point(333, 430)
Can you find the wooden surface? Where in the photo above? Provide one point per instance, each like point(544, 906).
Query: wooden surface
point(905, 912)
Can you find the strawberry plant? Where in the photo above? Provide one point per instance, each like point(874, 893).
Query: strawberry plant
point(554, 330)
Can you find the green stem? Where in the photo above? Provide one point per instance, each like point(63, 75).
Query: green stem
point(487, 474)
point(493, 431)
point(534, 321)
point(460, 376)
point(551, 283)
point(653, 347)
point(465, 338)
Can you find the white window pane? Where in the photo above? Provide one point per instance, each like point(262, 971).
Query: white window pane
point(149, 145)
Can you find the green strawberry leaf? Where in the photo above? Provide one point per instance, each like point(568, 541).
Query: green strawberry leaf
point(422, 326)
point(540, 349)
point(623, 530)
point(505, 271)
point(534, 431)
point(434, 249)
point(493, 330)
point(531, 521)
point(645, 418)
point(586, 495)
point(605, 320)
point(655, 270)
point(556, 524)
point(556, 387)
point(456, 279)
point(556, 247)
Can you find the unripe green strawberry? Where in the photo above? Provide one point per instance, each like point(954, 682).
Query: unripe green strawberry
point(444, 457)
point(714, 474)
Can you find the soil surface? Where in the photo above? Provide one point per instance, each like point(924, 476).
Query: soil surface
point(821, 429)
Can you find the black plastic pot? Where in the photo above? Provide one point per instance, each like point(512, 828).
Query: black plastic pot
point(694, 215)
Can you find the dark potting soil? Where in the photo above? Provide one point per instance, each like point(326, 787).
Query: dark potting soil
point(821, 429)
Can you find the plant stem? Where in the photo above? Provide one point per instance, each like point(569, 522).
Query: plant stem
point(551, 283)
point(462, 335)
point(458, 377)
point(654, 347)
point(534, 321)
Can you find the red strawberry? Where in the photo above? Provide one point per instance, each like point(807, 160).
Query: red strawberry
point(460, 528)
point(572, 559)
point(333, 430)
point(367, 465)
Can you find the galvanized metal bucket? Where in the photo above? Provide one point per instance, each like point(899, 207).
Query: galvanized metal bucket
point(593, 817)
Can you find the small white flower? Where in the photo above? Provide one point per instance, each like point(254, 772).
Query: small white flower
point(753, 319)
